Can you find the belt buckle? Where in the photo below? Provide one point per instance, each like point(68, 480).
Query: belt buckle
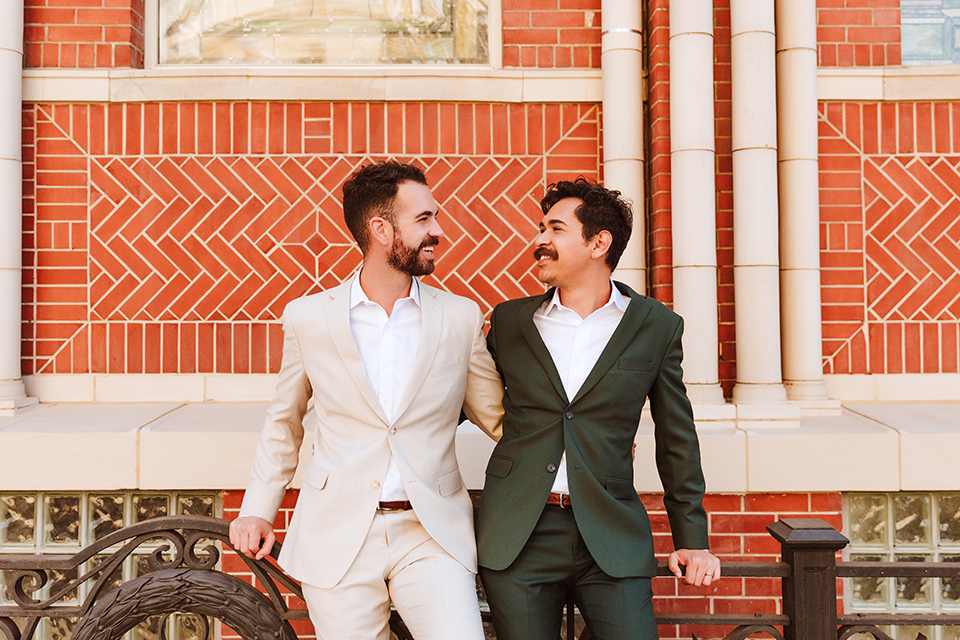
point(562, 497)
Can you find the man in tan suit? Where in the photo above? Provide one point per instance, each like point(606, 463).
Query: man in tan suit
point(389, 362)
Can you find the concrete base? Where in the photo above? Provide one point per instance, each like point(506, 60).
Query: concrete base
point(759, 393)
point(801, 390)
point(707, 413)
point(14, 398)
point(705, 394)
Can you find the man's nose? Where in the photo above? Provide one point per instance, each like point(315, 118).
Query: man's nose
point(437, 231)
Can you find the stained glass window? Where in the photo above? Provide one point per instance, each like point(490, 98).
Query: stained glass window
point(338, 32)
point(930, 31)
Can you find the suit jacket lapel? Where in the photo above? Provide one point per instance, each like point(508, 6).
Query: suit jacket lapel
point(431, 319)
point(338, 323)
point(532, 334)
point(629, 325)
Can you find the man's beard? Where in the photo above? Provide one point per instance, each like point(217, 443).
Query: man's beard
point(403, 258)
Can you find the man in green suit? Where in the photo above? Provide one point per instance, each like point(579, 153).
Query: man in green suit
point(559, 512)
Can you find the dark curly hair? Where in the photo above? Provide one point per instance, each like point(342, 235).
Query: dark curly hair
point(370, 191)
point(602, 210)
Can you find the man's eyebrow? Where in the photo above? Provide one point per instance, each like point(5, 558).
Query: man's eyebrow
point(553, 221)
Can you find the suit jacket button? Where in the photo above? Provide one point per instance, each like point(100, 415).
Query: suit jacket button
point(551, 467)
point(569, 415)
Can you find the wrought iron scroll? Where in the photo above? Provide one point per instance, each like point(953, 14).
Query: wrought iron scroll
point(849, 630)
point(178, 548)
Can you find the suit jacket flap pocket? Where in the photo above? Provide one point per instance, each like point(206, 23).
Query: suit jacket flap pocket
point(315, 476)
point(499, 466)
point(634, 364)
point(620, 488)
point(450, 484)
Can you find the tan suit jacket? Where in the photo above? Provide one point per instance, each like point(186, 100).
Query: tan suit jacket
point(354, 439)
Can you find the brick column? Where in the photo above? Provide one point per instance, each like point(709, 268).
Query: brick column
point(12, 394)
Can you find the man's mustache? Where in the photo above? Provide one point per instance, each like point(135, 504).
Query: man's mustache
point(431, 241)
point(544, 252)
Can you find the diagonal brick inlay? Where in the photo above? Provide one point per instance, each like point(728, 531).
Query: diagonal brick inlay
point(913, 238)
point(236, 237)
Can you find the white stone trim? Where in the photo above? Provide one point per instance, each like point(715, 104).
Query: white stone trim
point(895, 387)
point(459, 84)
point(376, 84)
point(247, 388)
point(883, 84)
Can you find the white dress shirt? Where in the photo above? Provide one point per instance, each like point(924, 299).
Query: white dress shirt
point(575, 344)
point(388, 347)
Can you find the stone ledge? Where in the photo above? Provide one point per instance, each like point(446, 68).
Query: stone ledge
point(378, 84)
point(162, 446)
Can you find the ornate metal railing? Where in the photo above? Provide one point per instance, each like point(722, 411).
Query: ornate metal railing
point(182, 558)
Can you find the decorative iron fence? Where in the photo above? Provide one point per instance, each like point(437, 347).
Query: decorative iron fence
point(184, 578)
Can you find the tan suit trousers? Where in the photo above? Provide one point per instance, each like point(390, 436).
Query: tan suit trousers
point(435, 595)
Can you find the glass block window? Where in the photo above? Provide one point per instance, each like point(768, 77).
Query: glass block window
point(904, 527)
point(930, 31)
point(65, 522)
point(339, 32)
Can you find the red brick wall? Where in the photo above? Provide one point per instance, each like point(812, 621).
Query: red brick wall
point(660, 238)
point(737, 533)
point(83, 33)
point(858, 33)
point(551, 33)
point(890, 237)
point(723, 139)
point(194, 224)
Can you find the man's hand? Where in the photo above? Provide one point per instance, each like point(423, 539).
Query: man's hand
point(702, 567)
point(252, 536)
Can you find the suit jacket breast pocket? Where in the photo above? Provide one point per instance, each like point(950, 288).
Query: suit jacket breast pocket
point(315, 476)
point(634, 364)
point(499, 466)
point(447, 369)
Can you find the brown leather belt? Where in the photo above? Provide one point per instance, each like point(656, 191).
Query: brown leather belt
point(395, 505)
point(561, 500)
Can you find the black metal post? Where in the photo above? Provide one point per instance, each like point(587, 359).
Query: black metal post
point(809, 546)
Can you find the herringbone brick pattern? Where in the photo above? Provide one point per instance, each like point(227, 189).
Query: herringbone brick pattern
point(168, 238)
point(890, 221)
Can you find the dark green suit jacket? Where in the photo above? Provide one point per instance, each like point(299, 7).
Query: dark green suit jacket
point(597, 429)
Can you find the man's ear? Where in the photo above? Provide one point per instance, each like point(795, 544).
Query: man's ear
point(381, 231)
point(600, 244)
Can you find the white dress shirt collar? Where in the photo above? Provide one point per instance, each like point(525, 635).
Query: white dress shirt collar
point(359, 296)
point(616, 298)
